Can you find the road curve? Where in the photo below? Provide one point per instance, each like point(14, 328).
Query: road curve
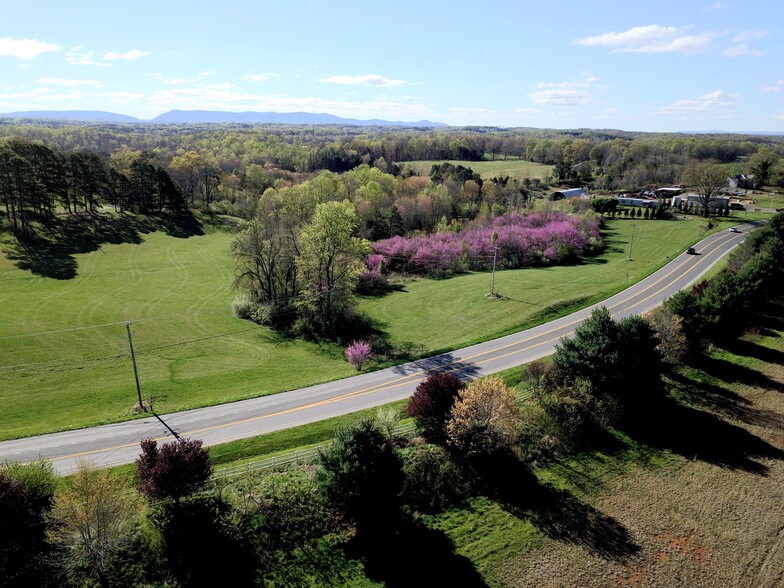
point(116, 444)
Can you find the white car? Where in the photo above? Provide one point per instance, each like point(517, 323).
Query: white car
point(734, 230)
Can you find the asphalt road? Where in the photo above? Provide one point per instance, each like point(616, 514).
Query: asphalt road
point(116, 444)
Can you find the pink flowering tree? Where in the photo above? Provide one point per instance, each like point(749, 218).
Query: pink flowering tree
point(522, 241)
point(358, 353)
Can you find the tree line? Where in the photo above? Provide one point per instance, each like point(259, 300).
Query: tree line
point(36, 180)
point(227, 167)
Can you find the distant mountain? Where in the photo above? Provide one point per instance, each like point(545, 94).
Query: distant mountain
point(76, 115)
point(295, 118)
point(213, 116)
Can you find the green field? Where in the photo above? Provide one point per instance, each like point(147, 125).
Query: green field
point(64, 355)
point(514, 168)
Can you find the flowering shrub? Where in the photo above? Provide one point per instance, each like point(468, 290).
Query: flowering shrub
point(523, 241)
point(358, 353)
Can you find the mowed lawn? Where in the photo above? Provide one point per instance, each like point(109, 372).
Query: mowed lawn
point(64, 354)
point(450, 313)
point(514, 168)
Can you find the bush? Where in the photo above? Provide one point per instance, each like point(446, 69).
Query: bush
point(243, 307)
point(358, 353)
point(619, 360)
point(175, 470)
point(287, 510)
point(361, 476)
point(433, 482)
point(204, 542)
point(372, 281)
point(26, 495)
point(431, 403)
point(484, 420)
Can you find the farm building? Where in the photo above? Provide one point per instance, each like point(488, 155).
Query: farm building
point(571, 193)
point(717, 202)
point(624, 200)
point(668, 191)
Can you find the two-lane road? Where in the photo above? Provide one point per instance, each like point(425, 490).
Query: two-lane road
point(116, 444)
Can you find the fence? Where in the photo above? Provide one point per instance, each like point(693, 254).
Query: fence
point(301, 456)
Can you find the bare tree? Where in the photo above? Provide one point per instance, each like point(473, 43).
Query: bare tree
point(707, 179)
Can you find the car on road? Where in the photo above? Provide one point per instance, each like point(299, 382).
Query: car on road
point(691, 251)
point(734, 230)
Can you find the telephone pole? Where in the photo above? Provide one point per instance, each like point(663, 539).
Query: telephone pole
point(135, 371)
point(631, 242)
point(493, 239)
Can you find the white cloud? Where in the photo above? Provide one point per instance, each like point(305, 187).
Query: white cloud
point(527, 111)
point(25, 48)
point(227, 97)
point(741, 50)
point(717, 104)
point(76, 56)
point(64, 82)
point(261, 77)
point(746, 36)
point(365, 80)
point(206, 73)
point(717, 6)
point(562, 97)
point(776, 87)
point(40, 97)
point(779, 116)
point(121, 98)
point(127, 56)
point(649, 39)
point(569, 94)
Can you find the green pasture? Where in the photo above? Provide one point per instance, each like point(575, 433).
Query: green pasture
point(64, 351)
point(514, 168)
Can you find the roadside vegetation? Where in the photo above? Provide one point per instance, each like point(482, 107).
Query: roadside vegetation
point(571, 474)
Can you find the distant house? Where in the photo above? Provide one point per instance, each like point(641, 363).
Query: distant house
point(741, 181)
point(571, 193)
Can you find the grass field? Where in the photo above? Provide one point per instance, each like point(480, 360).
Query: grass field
point(64, 352)
point(514, 168)
point(64, 355)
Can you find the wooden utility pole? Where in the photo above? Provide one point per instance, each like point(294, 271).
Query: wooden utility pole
point(135, 371)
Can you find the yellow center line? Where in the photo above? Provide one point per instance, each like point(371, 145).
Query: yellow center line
point(407, 379)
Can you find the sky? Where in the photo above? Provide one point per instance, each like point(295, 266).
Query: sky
point(635, 65)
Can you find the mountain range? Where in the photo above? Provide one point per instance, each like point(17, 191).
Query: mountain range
point(212, 116)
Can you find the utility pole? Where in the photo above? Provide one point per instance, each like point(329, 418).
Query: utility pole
point(493, 239)
point(135, 371)
point(631, 242)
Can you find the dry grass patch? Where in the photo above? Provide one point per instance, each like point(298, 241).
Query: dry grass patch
point(697, 522)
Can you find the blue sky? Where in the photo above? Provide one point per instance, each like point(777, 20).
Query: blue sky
point(631, 65)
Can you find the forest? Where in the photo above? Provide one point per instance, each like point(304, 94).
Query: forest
point(225, 168)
